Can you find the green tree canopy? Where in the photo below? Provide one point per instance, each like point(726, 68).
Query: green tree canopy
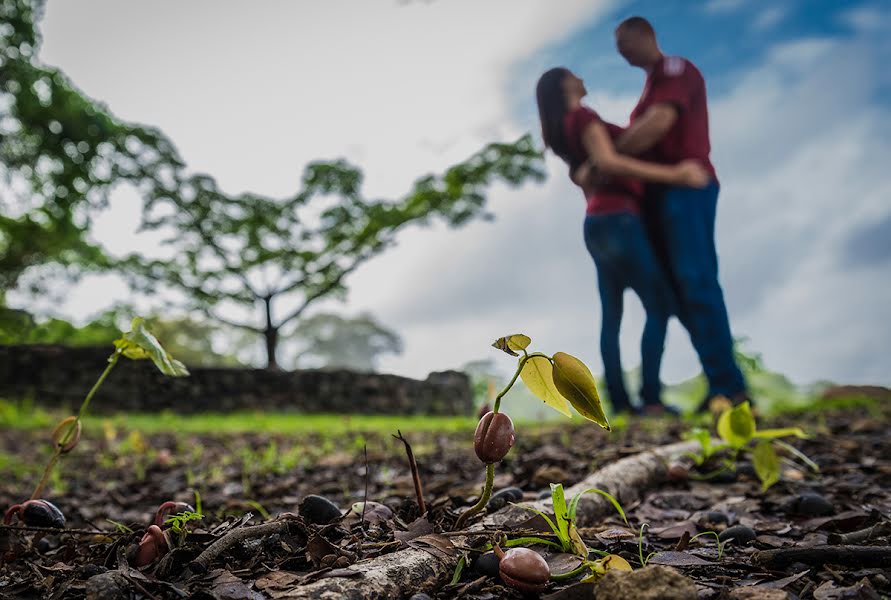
point(60, 154)
point(252, 251)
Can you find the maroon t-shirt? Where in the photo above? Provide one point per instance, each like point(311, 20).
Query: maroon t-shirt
point(677, 81)
point(610, 194)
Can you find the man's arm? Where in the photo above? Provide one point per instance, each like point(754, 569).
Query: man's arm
point(647, 130)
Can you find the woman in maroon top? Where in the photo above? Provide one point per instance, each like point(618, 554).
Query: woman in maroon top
point(614, 234)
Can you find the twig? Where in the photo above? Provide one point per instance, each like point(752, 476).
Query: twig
point(62, 530)
point(865, 556)
point(201, 564)
point(863, 535)
point(416, 478)
point(133, 581)
point(365, 499)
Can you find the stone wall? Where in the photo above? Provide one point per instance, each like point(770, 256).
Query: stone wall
point(57, 375)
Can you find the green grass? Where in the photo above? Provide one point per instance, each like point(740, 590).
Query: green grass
point(23, 415)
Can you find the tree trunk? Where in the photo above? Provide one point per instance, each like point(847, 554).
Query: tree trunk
point(271, 335)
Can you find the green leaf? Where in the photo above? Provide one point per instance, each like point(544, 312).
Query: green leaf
point(561, 515)
point(575, 382)
point(538, 376)
point(778, 433)
point(737, 425)
point(767, 465)
point(798, 454)
point(139, 344)
point(525, 541)
point(512, 343)
point(573, 504)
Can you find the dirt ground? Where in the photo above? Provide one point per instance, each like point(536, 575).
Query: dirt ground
point(118, 480)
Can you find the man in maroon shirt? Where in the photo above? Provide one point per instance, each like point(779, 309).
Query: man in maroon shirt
point(668, 125)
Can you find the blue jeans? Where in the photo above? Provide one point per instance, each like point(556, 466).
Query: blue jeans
point(625, 259)
point(685, 219)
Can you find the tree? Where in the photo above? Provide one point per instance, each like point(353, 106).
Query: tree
point(333, 341)
point(60, 154)
point(253, 252)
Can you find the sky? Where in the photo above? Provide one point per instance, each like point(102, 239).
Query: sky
point(800, 109)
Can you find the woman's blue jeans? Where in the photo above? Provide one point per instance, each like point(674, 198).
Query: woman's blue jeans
point(624, 257)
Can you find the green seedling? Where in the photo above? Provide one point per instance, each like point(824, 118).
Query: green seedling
point(560, 381)
point(567, 537)
point(737, 431)
point(563, 524)
point(136, 344)
point(737, 428)
point(179, 521)
point(643, 559)
point(721, 545)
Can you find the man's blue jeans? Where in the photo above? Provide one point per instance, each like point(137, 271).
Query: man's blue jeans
point(685, 219)
point(625, 259)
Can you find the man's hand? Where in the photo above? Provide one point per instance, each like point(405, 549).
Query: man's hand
point(691, 173)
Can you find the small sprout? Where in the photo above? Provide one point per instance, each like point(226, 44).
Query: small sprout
point(63, 437)
point(171, 508)
point(494, 437)
point(36, 513)
point(523, 569)
point(153, 545)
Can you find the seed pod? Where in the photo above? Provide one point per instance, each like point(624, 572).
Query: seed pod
point(494, 437)
point(524, 569)
point(170, 508)
point(61, 431)
point(35, 513)
point(152, 546)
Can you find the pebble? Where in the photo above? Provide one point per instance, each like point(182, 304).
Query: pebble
point(318, 510)
point(811, 504)
point(741, 534)
point(487, 564)
point(421, 596)
point(503, 497)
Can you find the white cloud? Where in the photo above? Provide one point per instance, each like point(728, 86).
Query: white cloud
point(723, 6)
point(769, 17)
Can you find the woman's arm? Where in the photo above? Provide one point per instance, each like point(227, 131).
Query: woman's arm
point(603, 157)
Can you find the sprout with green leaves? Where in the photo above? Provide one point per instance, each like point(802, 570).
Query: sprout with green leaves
point(560, 381)
point(737, 429)
point(136, 344)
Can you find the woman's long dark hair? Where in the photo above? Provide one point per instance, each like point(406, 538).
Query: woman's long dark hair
point(552, 110)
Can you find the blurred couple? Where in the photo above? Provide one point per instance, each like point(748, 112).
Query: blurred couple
point(651, 194)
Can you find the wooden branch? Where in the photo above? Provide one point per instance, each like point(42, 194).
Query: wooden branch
point(322, 291)
point(201, 564)
point(237, 325)
point(413, 570)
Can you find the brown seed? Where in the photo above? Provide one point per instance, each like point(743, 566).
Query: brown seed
point(494, 437)
point(525, 570)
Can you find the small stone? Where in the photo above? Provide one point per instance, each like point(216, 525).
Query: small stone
point(714, 521)
point(650, 583)
point(318, 510)
point(678, 472)
point(421, 596)
point(548, 474)
point(486, 564)
point(810, 504)
point(107, 586)
point(741, 534)
point(503, 497)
